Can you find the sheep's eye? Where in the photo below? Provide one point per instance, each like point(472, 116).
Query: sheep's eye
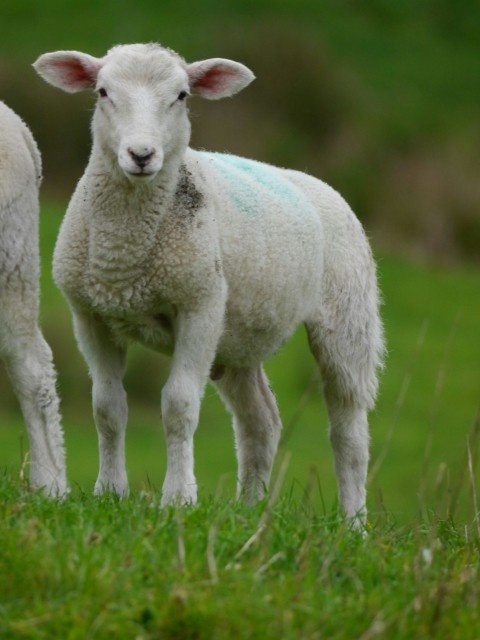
point(102, 92)
point(182, 95)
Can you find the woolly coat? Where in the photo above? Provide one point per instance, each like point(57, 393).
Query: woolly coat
point(135, 256)
point(20, 177)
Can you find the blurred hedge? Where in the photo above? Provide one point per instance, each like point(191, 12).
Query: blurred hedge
point(380, 99)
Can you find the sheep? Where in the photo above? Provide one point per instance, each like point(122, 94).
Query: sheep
point(214, 260)
point(27, 356)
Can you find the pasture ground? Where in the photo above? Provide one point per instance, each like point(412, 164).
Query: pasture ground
point(102, 568)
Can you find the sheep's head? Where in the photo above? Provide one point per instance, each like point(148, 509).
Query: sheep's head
point(141, 118)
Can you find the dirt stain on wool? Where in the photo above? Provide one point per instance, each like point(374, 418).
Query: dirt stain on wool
point(188, 199)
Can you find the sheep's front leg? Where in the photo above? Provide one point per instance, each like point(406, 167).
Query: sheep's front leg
point(106, 362)
point(196, 339)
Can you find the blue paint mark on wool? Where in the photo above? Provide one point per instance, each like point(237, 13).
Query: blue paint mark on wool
point(250, 182)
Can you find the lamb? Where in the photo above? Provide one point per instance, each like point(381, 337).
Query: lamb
point(26, 354)
point(214, 260)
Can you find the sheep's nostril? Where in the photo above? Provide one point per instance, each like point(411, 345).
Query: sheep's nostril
point(141, 159)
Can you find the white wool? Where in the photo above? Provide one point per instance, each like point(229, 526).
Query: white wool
point(22, 347)
point(215, 260)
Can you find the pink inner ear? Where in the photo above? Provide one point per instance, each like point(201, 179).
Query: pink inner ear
point(214, 78)
point(76, 73)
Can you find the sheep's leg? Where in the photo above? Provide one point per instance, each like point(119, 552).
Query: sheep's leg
point(28, 359)
point(348, 357)
point(257, 427)
point(196, 338)
point(346, 338)
point(181, 399)
point(347, 412)
point(106, 362)
point(349, 438)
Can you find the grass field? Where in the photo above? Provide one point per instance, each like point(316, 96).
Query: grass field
point(102, 568)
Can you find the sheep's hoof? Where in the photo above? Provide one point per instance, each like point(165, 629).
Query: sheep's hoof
point(120, 489)
point(56, 489)
point(179, 498)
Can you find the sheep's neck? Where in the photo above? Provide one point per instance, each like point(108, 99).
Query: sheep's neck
point(125, 224)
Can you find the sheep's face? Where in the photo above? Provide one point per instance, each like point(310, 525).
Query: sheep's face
point(141, 117)
point(141, 120)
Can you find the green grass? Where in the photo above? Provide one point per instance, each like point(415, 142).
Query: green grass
point(103, 568)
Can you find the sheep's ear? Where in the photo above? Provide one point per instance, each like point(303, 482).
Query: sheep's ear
point(71, 71)
point(218, 78)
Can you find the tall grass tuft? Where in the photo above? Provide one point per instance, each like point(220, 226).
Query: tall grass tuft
point(108, 568)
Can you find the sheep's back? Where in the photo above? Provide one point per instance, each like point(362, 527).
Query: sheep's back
point(20, 174)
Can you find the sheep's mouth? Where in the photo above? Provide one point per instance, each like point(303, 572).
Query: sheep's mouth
point(142, 175)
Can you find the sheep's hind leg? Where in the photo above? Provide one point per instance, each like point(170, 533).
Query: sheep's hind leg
point(350, 443)
point(348, 369)
point(29, 363)
point(106, 362)
point(257, 427)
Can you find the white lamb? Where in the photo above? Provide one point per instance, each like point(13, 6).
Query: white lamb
point(213, 259)
point(22, 347)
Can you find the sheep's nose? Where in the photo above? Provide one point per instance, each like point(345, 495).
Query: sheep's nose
point(143, 158)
